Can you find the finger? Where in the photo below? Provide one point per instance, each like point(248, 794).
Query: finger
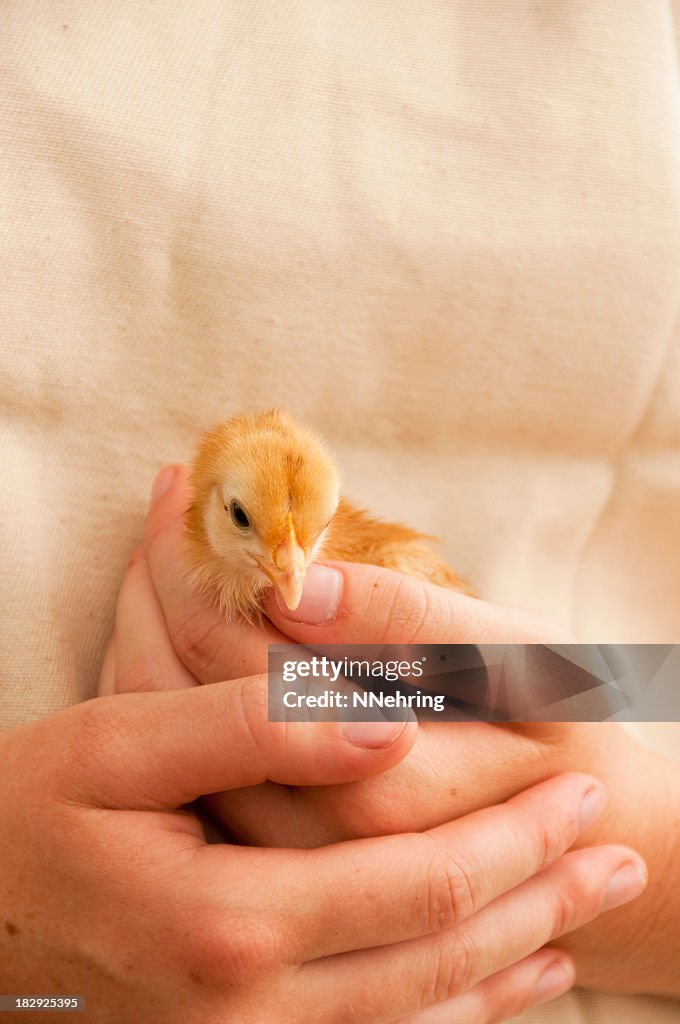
point(145, 657)
point(419, 883)
point(162, 750)
point(417, 974)
point(415, 795)
point(536, 979)
point(363, 604)
point(210, 647)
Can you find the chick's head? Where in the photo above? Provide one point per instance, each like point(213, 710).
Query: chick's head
point(265, 490)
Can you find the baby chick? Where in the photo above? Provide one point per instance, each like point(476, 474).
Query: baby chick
point(266, 503)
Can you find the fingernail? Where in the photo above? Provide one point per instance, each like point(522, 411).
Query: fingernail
point(555, 980)
point(320, 598)
point(373, 734)
point(627, 883)
point(592, 807)
point(162, 483)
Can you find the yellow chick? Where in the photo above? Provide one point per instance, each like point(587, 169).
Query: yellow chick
point(266, 503)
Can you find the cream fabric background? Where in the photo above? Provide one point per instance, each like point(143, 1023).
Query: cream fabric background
point(446, 233)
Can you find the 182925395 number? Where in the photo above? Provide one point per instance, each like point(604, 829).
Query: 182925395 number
point(42, 1002)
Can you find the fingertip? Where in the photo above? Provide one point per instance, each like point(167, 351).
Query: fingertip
point(355, 603)
point(310, 753)
point(162, 483)
point(373, 735)
point(380, 735)
point(555, 979)
point(168, 479)
point(627, 883)
point(325, 753)
point(320, 599)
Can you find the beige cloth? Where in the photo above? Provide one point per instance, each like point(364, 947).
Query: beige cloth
point(444, 232)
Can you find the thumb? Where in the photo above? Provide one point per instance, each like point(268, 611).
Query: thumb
point(162, 750)
point(353, 603)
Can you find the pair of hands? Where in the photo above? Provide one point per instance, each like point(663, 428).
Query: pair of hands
point(451, 770)
point(109, 889)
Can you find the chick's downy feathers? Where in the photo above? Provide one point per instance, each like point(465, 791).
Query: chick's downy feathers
point(266, 504)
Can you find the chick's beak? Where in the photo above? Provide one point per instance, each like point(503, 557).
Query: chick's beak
point(289, 568)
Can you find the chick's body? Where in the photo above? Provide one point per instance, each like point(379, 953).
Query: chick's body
point(266, 503)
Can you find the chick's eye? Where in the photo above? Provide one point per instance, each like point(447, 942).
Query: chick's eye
point(238, 514)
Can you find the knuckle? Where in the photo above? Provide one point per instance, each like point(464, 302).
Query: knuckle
point(450, 892)
point(406, 610)
point(452, 972)
point(250, 708)
point(135, 674)
point(197, 640)
point(95, 729)
point(549, 841)
point(138, 681)
point(564, 911)
point(580, 897)
point(437, 619)
point(233, 952)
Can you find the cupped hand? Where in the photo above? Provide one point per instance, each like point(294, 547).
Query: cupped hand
point(452, 920)
point(452, 769)
point(109, 891)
